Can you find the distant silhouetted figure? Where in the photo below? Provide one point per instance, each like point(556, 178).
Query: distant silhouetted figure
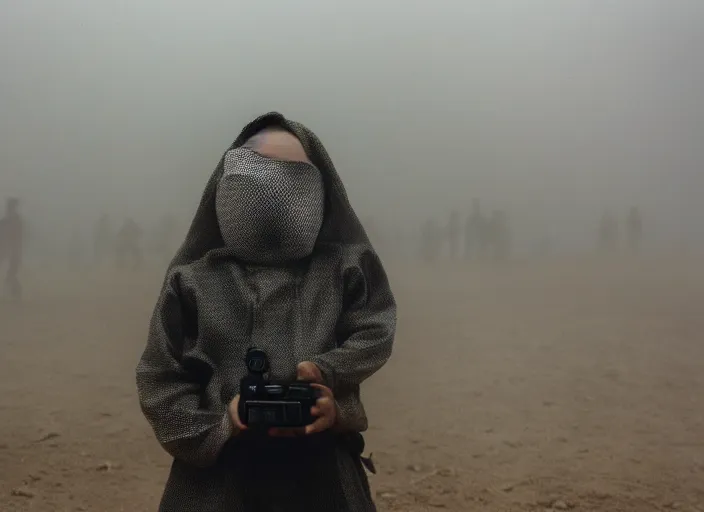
point(454, 232)
point(635, 229)
point(430, 240)
point(608, 232)
point(103, 243)
point(11, 238)
point(499, 236)
point(128, 249)
point(475, 233)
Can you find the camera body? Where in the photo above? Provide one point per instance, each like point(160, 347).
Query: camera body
point(264, 404)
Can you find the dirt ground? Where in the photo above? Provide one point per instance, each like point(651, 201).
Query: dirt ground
point(569, 385)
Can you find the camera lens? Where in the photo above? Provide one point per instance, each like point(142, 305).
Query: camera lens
point(257, 361)
point(256, 364)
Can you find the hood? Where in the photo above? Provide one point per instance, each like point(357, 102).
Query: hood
point(340, 225)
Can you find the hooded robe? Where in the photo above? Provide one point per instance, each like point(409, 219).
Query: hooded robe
point(334, 308)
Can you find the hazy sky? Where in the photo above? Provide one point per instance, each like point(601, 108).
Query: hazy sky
point(551, 108)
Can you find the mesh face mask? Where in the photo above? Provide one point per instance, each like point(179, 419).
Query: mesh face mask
point(269, 210)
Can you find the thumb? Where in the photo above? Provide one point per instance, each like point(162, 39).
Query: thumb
point(309, 371)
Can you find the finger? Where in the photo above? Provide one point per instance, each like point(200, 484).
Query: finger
point(238, 422)
point(305, 371)
point(321, 424)
point(325, 392)
point(324, 403)
point(309, 372)
point(234, 414)
point(326, 410)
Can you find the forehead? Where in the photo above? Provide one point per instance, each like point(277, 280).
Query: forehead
point(278, 144)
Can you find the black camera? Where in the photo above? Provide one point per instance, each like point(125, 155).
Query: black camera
point(265, 404)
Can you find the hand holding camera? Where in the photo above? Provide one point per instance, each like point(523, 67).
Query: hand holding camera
point(324, 411)
point(234, 415)
point(283, 409)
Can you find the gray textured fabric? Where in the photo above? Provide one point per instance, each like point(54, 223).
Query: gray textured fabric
point(269, 211)
point(334, 308)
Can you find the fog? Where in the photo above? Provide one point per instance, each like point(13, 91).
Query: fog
point(551, 110)
point(544, 365)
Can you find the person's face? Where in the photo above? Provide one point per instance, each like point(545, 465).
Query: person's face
point(278, 145)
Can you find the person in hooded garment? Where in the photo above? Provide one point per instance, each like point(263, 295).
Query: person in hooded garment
point(275, 258)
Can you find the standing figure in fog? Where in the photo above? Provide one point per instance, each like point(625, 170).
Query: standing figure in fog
point(475, 233)
point(277, 259)
point(500, 236)
point(128, 246)
point(635, 229)
point(454, 231)
point(11, 241)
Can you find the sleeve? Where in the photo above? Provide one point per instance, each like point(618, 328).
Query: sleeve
point(367, 326)
point(170, 396)
point(351, 416)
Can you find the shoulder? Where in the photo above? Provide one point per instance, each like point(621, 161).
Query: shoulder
point(362, 256)
point(345, 254)
point(200, 274)
point(353, 259)
point(180, 277)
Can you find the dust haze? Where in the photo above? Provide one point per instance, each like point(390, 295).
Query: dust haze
point(530, 172)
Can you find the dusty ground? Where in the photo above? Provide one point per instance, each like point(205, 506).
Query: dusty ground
point(571, 385)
